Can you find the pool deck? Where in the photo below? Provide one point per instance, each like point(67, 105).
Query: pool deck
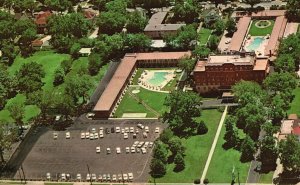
point(150, 74)
point(261, 48)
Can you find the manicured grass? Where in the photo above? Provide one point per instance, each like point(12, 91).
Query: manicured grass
point(203, 35)
point(255, 31)
point(31, 111)
point(171, 85)
point(223, 162)
point(197, 149)
point(294, 109)
point(266, 178)
point(50, 61)
point(137, 76)
point(155, 100)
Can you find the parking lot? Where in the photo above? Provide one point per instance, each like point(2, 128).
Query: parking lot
point(77, 155)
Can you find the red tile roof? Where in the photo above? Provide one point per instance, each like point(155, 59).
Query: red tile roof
point(89, 14)
point(296, 131)
point(41, 18)
point(238, 37)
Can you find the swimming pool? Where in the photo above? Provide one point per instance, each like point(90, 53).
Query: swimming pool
point(158, 78)
point(254, 45)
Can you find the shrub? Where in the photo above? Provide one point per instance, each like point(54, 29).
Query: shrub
point(202, 128)
point(197, 181)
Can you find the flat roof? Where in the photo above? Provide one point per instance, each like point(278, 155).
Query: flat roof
point(277, 33)
point(238, 37)
point(114, 87)
point(217, 60)
point(163, 27)
point(261, 65)
point(286, 127)
point(158, 17)
point(264, 13)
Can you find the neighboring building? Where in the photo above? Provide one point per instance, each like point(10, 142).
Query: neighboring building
point(84, 52)
point(89, 15)
point(156, 29)
point(41, 21)
point(114, 91)
point(220, 72)
point(290, 126)
point(211, 17)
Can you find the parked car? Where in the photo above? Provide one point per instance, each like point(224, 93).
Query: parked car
point(48, 176)
point(55, 135)
point(98, 149)
point(78, 176)
point(118, 130)
point(157, 130)
point(132, 149)
point(112, 130)
point(68, 135)
point(147, 129)
point(131, 129)
point(144, 150)
point(127, 150)
point(107, 131)
point(87, 135)
point(108, 151)
point(118, 149)
point(125, 135)
point(100, 178)
point(140, 126)
point(130, 176)
point(114, 177)
point(96, 135)
point(82, 135)
point(94, 177)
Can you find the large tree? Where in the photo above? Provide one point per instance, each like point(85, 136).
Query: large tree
point(184, 107)
point(17, 111)
point(285, 63)
point(58, 5)
point(30, 77)
point(201, 51)
point(176, 146)
point(136, 22)
point(187, 64)
point(160, 152)
point(268, 151)
point(290, 154)
point(186, 11)
point(111, 22)
point(231, 136)
point(293, 10)
point(157, 168)
point(247, 149)
point(280, 82)
point(7, 85)
point(137, 42)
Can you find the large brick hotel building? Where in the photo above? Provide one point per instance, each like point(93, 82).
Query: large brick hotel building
point(219, 73)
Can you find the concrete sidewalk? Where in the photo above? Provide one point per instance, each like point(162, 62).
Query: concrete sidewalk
point(212, 149)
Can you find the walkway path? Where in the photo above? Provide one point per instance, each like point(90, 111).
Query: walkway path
point(212, 149)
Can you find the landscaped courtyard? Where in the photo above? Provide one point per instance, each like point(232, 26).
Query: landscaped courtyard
point(140, 99)
point(197, 150)
point(203, 35)
point(261, 27)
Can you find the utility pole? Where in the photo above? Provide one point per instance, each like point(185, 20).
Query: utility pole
point(88, 168)
point(23, 172)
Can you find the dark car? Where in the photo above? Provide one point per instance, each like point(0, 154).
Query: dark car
point(112, 130)
point(107, 131)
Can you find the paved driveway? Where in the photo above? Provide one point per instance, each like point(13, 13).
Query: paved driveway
point(75, 154)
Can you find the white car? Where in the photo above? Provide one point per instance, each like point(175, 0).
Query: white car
point(90, 115)
point(147, 129)
point(122, 130)
point(78, 176)
point(87, 135)
point(131, 129)
point(91, 136)
point(144, 150)
point(108, 151)
point(127, 149)
point(88, 177)
point(135, 143)
point(57, 117)
point(118, 149)
point(140, 126)
point(118, 130)
point(63, 177)
point(146, 144)
point(114, 177)
point(96, 135)
point(48, 175)
point(150, 144)
point(125, 177)
point(68, 135)
point(120, 177)
point(145, 135)
point(101, 129)
point(125, 135)
point(127, 129)
point(101, 135)
point(130, 176)
point(82, 135)
point(157, 130)
point(132, 149)
point(98, 149)
point(104, 177)
point(93, 130)
point(55, 135)
point(140, 144)
point(136, 131)
point(94, 177)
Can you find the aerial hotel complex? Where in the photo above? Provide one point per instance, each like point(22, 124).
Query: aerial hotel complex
point(107, 103)
point(220, 72)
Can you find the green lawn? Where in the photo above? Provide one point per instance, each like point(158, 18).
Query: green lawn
point(255, 31)
point(266, 178)
point(203, 35)
point(50, 61)
point(197, 149)
point(223, 162)
point(155, 100)
point(295, 105)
